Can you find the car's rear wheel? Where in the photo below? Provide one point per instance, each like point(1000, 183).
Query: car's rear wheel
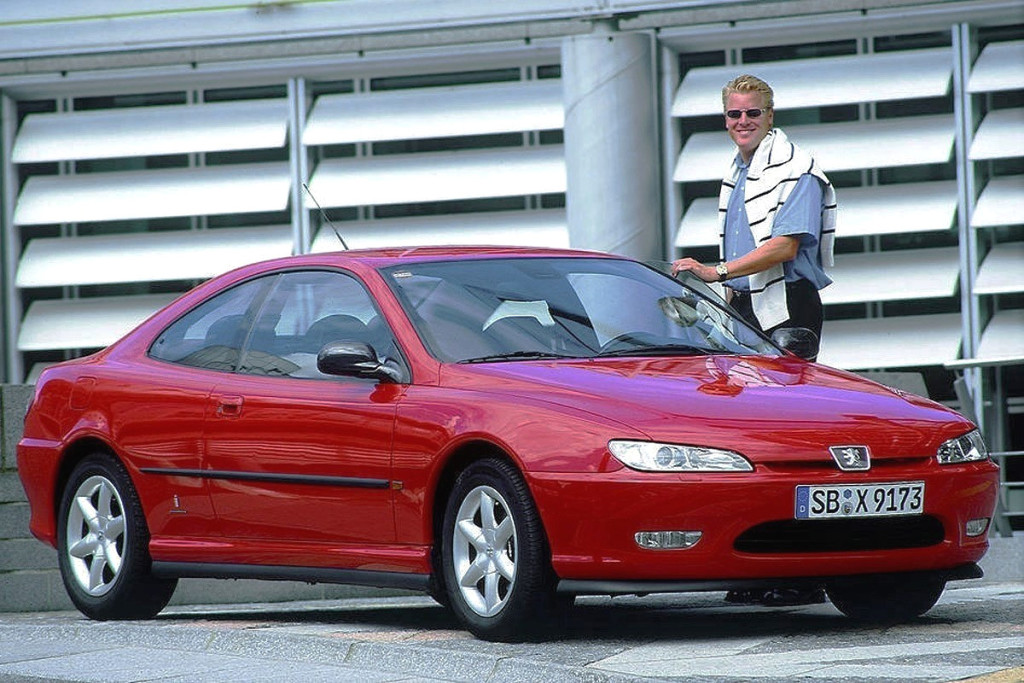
point(102, 543)
point(886, 600)
point(495, 555)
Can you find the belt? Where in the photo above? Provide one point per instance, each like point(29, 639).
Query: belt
point(789, 285)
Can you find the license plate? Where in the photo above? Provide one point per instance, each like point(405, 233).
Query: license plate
point(860, 500)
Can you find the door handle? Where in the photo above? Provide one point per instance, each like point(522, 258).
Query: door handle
point(229, 406)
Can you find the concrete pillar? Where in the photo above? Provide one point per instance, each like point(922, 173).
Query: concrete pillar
point(612, 152)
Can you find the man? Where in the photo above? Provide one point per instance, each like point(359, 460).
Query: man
point(777, 224)
point(776, 216)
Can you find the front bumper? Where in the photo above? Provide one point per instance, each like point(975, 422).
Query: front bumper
point(591, 520)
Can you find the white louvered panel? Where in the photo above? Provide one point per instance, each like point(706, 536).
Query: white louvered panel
point(435, 112)
point(876, 210)
point(836, 146)
point(923, 274)
point(147, 256)
point(242, 188)
point(705, 156)
point(85, 323)
point(897, 208)
point(152, 131)
point(438, 176)
point(699, 226)
point(1003, 338)
point(800, 83)
point(1000, 135)
point(1002, 342)
point(894, 342)
point(546, 228)
point(1002, 271)
point(999, 67)
point(1000, 203)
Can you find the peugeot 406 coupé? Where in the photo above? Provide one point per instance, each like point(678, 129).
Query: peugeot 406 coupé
point(502, 428)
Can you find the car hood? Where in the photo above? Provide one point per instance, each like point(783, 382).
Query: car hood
point(767, 408)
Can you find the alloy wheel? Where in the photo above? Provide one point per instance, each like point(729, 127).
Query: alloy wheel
point(484, 550)
point(96, 535)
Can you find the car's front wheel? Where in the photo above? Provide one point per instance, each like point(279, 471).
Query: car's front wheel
point(886, 600)
point(495, 555)
point(102, 543)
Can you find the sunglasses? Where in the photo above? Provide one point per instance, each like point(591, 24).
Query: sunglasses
point(751, 113)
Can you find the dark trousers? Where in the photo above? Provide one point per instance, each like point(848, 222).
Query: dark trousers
point(802, 300)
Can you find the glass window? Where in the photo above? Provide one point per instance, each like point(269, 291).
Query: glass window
point(505, 309)
point(212, 335)
point(302, 313)
point(277, 325)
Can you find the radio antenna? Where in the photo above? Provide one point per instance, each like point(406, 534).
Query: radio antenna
point(323, 214)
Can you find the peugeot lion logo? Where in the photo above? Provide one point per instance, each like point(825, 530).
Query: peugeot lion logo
point(851, 458)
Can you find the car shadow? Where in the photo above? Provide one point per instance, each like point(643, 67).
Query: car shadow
point(623, 620)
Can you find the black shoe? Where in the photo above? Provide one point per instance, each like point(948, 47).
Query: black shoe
point(786, 597)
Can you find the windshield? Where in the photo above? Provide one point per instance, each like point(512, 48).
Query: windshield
point(527, 308)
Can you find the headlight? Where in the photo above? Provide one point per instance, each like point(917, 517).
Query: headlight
point(665, 457)
point(967, 448)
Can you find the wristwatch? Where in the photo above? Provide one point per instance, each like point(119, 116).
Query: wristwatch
point(722, 270)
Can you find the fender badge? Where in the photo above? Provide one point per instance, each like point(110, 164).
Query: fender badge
point(851, 458)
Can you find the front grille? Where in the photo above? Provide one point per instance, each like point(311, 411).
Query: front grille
point(828, 465)
point(837, 535)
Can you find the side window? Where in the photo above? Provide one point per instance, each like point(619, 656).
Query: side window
point(212, 335)
point(303, 312)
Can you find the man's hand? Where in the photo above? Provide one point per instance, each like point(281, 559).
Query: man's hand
point(705, 273)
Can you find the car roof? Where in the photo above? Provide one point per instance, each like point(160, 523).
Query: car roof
point(379, 258)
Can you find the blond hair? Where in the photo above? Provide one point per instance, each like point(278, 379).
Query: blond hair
point(749, 84)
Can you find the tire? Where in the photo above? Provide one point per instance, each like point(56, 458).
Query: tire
point(495, 557)
point(886, 600)
point(103, 545)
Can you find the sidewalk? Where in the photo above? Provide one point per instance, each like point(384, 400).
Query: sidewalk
point(977, 629)
point(1004, 560)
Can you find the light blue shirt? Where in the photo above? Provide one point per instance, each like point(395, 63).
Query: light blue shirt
point(800, 217)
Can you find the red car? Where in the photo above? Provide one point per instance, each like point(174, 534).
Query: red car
point(503, 428)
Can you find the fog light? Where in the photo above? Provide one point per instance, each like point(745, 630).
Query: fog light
point(667, 540)
point(976, 527)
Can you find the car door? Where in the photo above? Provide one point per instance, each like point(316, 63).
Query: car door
point(292, 454)
point(161, 408)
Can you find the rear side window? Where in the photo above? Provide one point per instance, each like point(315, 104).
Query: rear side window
point(212, 334)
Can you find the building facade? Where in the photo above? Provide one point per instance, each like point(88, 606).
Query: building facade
point(147, 149)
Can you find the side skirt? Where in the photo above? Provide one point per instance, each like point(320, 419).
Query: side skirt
point(355, 577)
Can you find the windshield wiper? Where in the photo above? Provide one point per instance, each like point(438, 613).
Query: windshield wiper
point(658, 350)
point(517, 355)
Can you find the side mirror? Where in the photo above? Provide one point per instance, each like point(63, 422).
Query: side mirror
point(354, 359)
point(695, 283)
point(682, 311)
point(797, 340)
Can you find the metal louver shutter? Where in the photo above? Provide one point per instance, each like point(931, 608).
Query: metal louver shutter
point(461, 167)
point(90, 224)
